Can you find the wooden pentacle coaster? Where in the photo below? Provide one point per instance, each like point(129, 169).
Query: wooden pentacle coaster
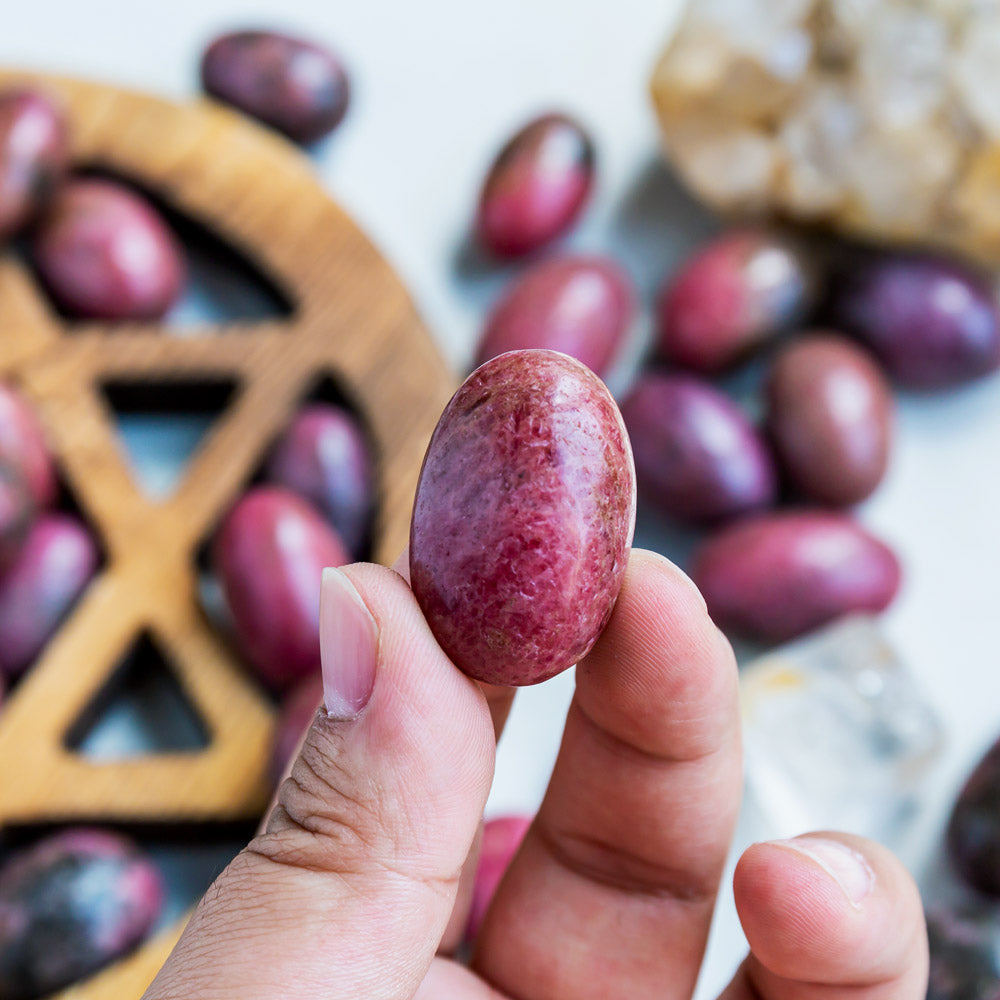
point(351, 322)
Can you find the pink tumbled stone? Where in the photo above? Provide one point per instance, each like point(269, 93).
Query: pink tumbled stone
point(777, 576)
point(105, 253)
point(23, 447)
point(269, 555)
point(70, 904)
point(523, 518)
point(34, 151)
point(729, 299)
point(579, 305)
point(323, 456)
point(57, 560)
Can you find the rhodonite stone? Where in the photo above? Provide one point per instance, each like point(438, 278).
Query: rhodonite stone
point(881, 119)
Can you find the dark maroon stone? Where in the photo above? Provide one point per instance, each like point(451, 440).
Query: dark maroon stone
point(974, 828)
point(323, 456)
point(932, 322)
point(964, 952)
point(292, 85)
point(777, 576)
point(697, 457)
point(830, 416)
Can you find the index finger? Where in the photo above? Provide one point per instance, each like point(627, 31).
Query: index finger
point(613, 890)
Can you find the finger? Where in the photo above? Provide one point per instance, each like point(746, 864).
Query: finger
point(828, 917)
point(348, 891)
point(612, 891)
point(454, 933)
point(447, 980)
point(499, 699)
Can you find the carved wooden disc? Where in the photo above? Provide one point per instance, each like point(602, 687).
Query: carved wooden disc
point(352, 321)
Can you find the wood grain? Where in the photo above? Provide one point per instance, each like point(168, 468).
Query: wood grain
point(352, 321)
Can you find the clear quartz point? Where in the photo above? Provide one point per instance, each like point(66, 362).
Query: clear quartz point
point(837, 735)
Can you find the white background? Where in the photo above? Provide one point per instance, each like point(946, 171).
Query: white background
point(437, 86)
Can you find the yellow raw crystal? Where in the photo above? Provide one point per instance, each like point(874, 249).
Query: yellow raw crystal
point(878, 117)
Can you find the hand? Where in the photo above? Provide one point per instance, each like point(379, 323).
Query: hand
point(353, 889)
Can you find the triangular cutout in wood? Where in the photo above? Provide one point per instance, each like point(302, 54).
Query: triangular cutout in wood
point(161, 424)
point(141, 710)
point(227, 780)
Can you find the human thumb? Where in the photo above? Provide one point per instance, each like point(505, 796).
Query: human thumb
point(347, 891)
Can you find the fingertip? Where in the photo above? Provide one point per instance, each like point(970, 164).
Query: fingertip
point(643, 561)
point(831, 908)
point(661, 651)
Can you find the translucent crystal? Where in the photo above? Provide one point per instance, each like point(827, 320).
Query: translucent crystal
point(730, 169)
point(699, 62)
point(976, 72)
point(897, 176)
point(874, 116)
point(837, 735)
point(904, 66)
point(816, 137)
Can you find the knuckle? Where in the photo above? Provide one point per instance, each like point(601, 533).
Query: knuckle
point(623, 871)
point(328, 812)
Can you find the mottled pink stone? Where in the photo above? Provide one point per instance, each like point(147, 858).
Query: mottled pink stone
point(23, 446)
point(53, 566)
point(730, 299)
point(523, 518)
point(323, 456)
point(104, 252)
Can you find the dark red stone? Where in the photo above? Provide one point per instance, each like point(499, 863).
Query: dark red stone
point(777, 576)
point(536, 187)
point(581, 306)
